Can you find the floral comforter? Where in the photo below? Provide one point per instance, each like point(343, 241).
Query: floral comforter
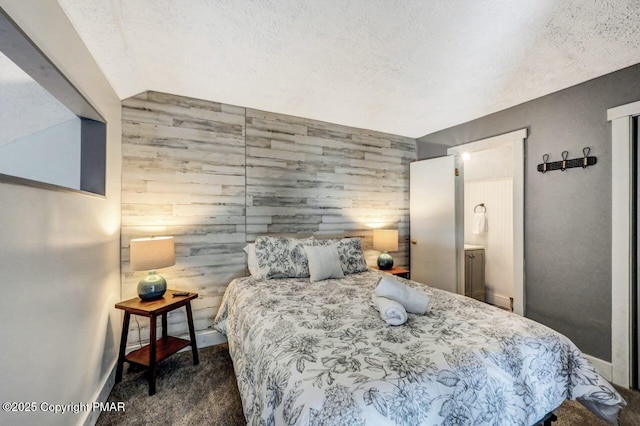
point(319, 354)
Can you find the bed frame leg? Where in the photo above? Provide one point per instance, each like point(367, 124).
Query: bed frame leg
point(552, 418)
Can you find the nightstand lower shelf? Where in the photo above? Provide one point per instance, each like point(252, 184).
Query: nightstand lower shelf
point(158, 349)
point(165, 347)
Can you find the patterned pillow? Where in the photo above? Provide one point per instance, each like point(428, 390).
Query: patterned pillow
point(351, 256)
point(325, 242)
point(281, 257)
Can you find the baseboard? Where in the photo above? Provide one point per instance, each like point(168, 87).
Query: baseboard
point(497, 300)
point(101, 395)
point(210, 338)
point(204, 338)
point(604, 368)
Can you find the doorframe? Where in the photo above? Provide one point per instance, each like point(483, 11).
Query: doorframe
point(516, 139)
point(621, 239)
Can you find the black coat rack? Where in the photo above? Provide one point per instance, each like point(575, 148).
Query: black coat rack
point(565, 164)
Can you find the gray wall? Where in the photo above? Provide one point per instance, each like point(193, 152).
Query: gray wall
point(93, 149)
point(567, 214)
point(431, 150)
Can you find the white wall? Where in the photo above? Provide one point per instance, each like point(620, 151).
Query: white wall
point(494, 163)
point(497, 196)
point(51, 155)
point(59, 255)
point(488, 179)
point(26, 106)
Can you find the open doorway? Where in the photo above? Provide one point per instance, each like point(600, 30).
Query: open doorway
point(436, 216)
point(488, 222)
point(494, 176)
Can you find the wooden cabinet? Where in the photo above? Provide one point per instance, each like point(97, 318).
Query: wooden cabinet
point(474, 274)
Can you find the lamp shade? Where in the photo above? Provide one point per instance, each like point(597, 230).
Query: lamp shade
point(152, 253)
point(385, 239)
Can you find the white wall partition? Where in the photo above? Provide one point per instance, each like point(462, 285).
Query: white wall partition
point(51, 155)
point(59, 256)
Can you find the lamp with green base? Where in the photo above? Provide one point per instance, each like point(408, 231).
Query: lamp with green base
point(149, 254)
point(385, 240)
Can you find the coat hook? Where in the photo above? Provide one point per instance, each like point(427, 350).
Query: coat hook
point(585, 151)
point(567, 163)
point(565, 155)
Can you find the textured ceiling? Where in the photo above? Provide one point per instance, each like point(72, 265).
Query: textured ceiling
point(399, 66)
point(26, 107)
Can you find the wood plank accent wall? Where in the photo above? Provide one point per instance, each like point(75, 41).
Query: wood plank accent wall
point(215, 176)
point(310, 177)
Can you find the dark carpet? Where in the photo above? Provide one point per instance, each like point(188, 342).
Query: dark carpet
point(207, 394)
point(186, 394)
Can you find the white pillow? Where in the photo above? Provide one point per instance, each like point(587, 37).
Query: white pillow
point(252, 262)
point(350, 252)
point(324, 262)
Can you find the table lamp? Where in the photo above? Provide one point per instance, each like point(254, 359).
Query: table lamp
point(149, 254)
point(385, 240)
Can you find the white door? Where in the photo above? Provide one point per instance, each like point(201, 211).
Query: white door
point(432, 212)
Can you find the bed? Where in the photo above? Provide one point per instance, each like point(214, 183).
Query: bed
point(318, 353)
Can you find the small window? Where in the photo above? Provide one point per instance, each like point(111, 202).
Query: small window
point(50, 136)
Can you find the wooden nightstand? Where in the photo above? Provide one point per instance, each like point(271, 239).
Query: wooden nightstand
point(400, 272)
point(157, 350)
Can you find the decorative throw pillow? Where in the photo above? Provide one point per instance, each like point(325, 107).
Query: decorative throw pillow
point(325, 242)
point(252, 262)
point(324, 262)
point(351, 256)
point(350, 252)
point(281, 257)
